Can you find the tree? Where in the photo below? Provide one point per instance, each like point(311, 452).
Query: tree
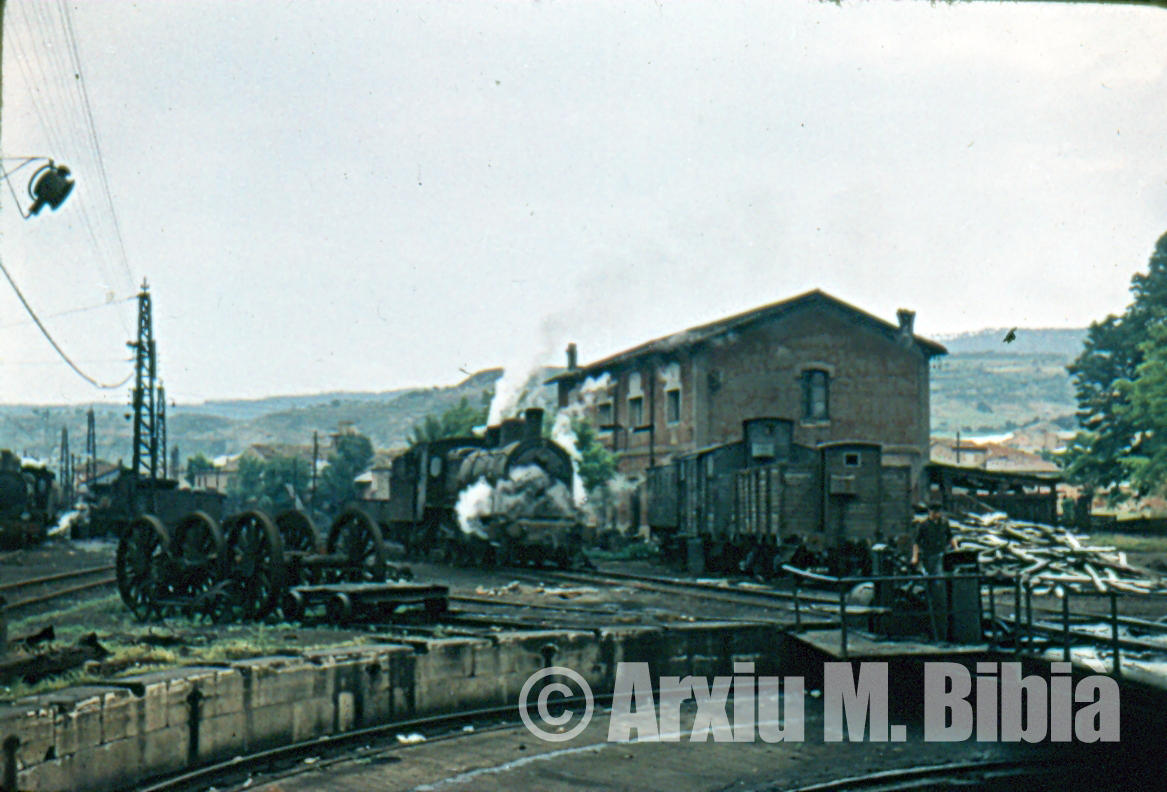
point(457, 421)
point(195, 465)
point(1145, 407)
point(1113, 430)
point(265, 484)
point(596, 465)
point(353, 454)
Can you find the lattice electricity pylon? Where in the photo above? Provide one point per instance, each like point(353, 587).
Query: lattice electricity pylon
point(66, 467)
point(91, 449)
point(162, 431)
point(145, 404)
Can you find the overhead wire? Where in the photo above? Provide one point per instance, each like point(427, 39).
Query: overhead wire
point(46, 112)
point(45, 67)
point(83, 309)
point(54, 110)
point(56, 71)
point(52, 341)
point(71, 37)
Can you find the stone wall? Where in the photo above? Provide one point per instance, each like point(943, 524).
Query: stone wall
point(116, 736)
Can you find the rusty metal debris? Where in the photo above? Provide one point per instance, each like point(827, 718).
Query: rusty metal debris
point(18, 664)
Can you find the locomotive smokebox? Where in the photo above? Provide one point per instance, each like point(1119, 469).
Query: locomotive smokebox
point(533, 423)
point(511, 431)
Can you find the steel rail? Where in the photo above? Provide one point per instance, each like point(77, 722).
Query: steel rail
point(703, 590)
point(20, 584)
point(242, 764)
point(961, 772)
point(25, 603)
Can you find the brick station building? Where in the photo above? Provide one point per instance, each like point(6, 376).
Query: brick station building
point(838, 372)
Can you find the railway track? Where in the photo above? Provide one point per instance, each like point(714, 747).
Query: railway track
point(315, 755)
point(985, 776)
point(767, 597)
point(23, 594)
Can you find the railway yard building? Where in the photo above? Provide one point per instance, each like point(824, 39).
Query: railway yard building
point(838, 372)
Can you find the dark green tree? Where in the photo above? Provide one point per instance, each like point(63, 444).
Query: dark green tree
point(457, 421)
point(195, 465)
point(265, 485)
point(247, 484)
point(354, 453)
point(1113, 430)
point(596, 465)
point(1145, 406)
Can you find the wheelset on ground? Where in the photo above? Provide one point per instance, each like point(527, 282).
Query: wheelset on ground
point(242, 570)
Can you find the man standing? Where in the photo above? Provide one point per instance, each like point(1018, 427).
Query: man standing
point(933, 537)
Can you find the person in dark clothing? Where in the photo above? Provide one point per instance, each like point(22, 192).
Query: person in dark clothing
point(933, 537)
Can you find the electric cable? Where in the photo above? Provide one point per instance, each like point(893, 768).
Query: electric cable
point(47, 335)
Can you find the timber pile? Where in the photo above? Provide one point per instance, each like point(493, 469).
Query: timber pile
point(1049, 556)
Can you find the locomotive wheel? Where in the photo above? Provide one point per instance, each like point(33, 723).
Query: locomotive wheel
point(255, 566)
point(338, 610)
point(139, 565)
point(293, 606)
point(357, 536)
point(198, 548)
point(298, 532)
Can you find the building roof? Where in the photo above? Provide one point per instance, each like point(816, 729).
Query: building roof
point(702, 333)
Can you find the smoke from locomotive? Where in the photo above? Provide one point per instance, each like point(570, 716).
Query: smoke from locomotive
point(505, 497)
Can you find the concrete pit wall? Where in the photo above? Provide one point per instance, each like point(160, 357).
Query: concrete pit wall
point(118, 735)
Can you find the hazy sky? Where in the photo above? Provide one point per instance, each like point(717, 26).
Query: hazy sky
point(365, 196)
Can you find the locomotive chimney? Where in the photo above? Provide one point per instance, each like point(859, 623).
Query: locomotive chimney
point(571, 357)
point(493, 434)
point(511, 431)
point(533, 423)
point(907, 318)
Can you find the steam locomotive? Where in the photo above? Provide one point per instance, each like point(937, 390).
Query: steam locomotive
point(764, 501)
point(28, 502)
point(504, 498)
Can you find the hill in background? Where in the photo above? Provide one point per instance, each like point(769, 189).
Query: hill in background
point(985, 386)
point(982, 386)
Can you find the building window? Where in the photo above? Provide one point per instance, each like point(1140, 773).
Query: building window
point(815, 396)
point(635, 412)
point(673, 406)
point(851, 459)
point(604, 414)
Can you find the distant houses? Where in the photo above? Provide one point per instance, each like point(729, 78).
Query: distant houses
point(1030, 449)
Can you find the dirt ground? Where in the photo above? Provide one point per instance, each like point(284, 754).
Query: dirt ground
point(510, 597)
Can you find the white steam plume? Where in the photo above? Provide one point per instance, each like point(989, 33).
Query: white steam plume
point(474, 502)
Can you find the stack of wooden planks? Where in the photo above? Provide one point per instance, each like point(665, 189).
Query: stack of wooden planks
point(1048, 556)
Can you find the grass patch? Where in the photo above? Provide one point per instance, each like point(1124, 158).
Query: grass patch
point(107, 606)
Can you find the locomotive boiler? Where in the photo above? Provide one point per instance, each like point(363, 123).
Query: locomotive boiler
point(504, 498)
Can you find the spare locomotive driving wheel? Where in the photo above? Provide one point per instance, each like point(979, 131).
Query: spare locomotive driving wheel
point(198, 550)
point(141, 560)
point(255, 566)
point(298, 533)
point(357, 537)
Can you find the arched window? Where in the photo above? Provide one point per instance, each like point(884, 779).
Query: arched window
point(816, 395)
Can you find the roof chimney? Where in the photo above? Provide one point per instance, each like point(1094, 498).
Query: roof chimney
point(907, 318)
point(571, 357)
